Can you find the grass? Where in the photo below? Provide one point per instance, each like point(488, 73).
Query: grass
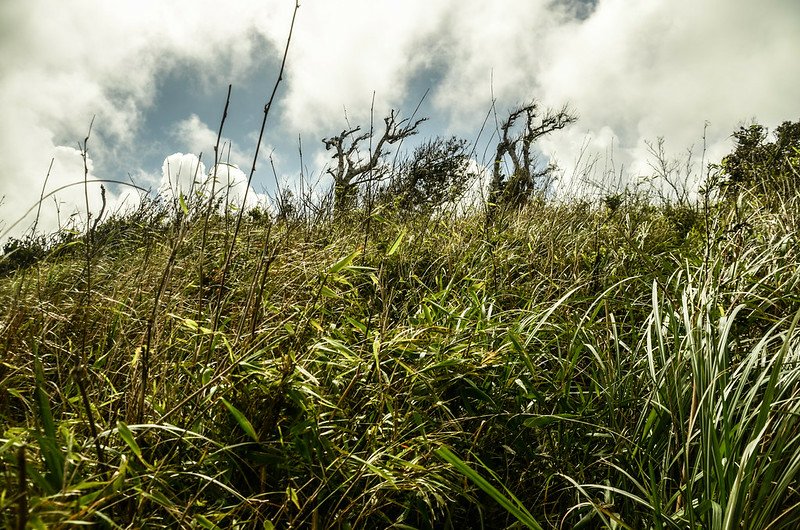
point(575, 366)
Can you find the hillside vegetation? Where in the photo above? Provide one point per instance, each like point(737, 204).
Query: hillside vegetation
point(622, 363)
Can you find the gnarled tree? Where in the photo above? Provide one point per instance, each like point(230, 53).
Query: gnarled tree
point(527, 177)
point(351, 169)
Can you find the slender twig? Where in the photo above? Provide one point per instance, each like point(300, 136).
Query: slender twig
point(302, 175)
point(267, 107)
point(81, 368)
point(102, 209)
point(212, 193)
point(41, 198)
point(149, 341)
point(370, 185)
point(411, 118)
point(22, 501)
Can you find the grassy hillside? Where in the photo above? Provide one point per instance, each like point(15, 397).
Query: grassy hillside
point(613, 365)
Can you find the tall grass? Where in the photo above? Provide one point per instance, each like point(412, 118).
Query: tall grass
point(580, 366)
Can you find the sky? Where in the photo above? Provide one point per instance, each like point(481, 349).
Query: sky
point(151, 77)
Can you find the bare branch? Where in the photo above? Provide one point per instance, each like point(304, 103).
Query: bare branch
point(525, 178)
point(351, 170)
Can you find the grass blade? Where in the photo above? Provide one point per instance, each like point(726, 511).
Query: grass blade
point(48, 444)
point(513, 507)
point(240, 418)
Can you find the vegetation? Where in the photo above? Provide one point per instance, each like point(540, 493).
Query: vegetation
point(526, 178)
point(768, 166)
point(624, 364)
point(438, 173)
point(352, 171)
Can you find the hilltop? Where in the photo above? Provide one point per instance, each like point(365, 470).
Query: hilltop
point(623, 362)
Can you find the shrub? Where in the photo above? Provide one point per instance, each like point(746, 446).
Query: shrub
point(437, 173)
point(768, 167)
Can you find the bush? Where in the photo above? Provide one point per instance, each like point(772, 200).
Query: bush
point(437, 173)
point(22, 253)
point(768, 167)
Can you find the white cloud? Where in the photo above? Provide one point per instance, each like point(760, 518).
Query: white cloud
point(344, 51)
point(661, 69)
point(185, 175)
point(197, 137)
point(232, 187)
point(65, 186)
point(632, 71)
point(182, 174)
point(62, 64)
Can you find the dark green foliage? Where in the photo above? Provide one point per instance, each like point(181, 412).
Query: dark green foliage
point(286, 205)
point(768, 166)
point(22, 253)
point(437, 173)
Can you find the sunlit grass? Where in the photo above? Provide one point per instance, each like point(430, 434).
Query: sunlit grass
point(573, 366)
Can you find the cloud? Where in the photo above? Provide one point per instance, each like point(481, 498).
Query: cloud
point(343, 52)
point(632, 71)
point(60, 65)
point(232, 187)
point(66, 189)
point(195, 136)
point(662, 69)
point(185, 175)
point(182, 175)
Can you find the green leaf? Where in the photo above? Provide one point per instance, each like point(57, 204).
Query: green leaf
point(292, 494)
point(327, 292)
point(36, 523)
point(182, 202)
point(48, 444)
point(127, 436)
point(157, 497)
point(119, 477)
point(243, 422)
point(360, 326)
point(343, 263)
point(514, 507)
point(38, 479)
point(203, 521)
point(546, 419)
point(397, 242)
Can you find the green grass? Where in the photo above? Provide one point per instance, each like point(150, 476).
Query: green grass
point(571, 367)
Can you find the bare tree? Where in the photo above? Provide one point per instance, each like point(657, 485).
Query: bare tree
point(351, 169)
point(526, 177)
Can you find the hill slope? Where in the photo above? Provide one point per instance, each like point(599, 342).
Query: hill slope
point(634, 366)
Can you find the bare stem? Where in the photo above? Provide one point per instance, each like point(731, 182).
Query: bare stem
point(267, 107)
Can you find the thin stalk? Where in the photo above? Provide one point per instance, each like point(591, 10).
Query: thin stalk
point(22, 501)
point(81, 369)
point(145, 358)
point(211, 195)
point(267, 107)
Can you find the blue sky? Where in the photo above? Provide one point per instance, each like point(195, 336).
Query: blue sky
point(154, 74)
